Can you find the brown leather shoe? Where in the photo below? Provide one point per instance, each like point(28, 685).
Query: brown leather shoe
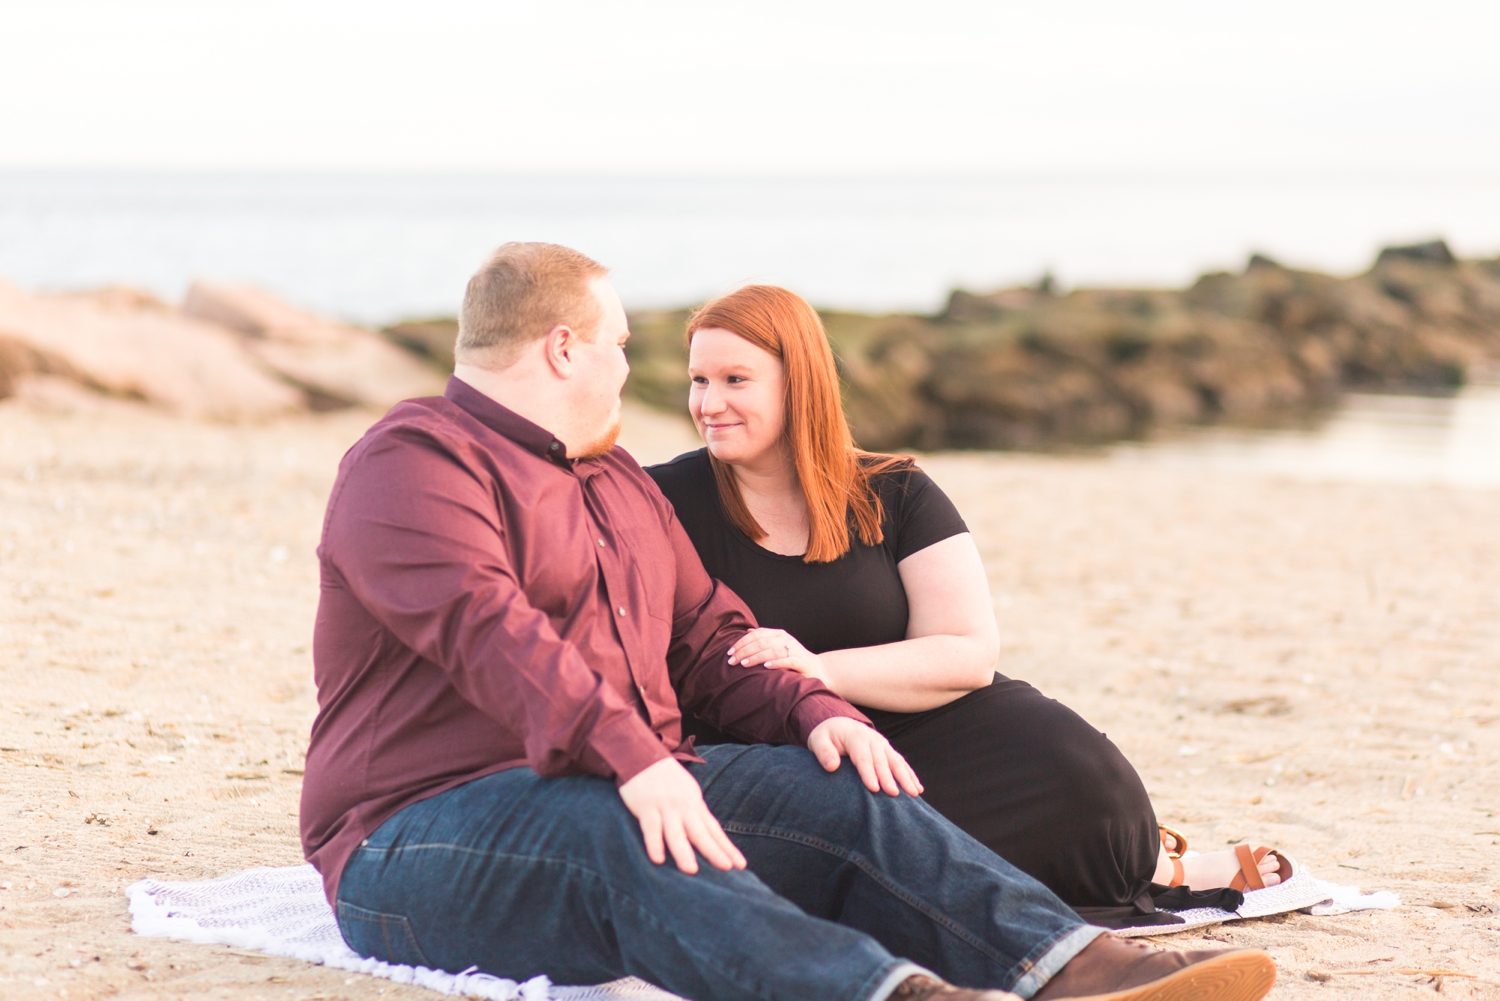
point(1117, 969)
point(920, 988)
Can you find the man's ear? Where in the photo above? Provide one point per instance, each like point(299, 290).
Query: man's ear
point(558, 347)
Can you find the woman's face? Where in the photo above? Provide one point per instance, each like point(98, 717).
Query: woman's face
point(738, 396)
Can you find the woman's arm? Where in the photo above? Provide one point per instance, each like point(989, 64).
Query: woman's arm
point(951, 647)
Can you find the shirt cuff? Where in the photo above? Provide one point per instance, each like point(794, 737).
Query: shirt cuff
point(628, 746)
point(819, 706)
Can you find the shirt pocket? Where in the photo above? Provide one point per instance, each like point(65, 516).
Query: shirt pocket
point(651, 566)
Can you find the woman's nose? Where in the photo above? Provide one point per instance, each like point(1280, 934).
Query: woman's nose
point(711, 402)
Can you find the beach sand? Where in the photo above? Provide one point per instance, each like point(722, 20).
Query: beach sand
point(1309, 666)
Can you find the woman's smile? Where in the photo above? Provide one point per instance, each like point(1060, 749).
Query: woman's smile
point(737, 395)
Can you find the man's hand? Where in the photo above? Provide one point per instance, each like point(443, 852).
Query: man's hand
point(669, 804)
point(881, 768)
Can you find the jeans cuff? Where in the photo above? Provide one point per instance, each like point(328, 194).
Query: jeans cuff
point(1055, 959)
point(893, 979)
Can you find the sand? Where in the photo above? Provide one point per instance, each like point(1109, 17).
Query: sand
point(1309, 666)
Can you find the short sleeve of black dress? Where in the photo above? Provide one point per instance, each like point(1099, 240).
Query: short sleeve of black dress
point(856, 600)
point(924, 514)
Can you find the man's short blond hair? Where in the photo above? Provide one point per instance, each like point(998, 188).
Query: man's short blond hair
point(523, 291)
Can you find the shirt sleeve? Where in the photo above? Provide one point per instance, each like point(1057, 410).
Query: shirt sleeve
point(418, 541)
point(924, 515)
point(756, 704)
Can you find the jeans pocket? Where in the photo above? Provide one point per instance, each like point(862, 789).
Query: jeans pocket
point(386, 937)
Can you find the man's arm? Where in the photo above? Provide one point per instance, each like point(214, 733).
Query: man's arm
point(762, 706)
point(417, 539)
point(751, 703)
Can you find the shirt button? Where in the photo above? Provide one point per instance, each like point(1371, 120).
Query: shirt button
point(554, 446)
point(365, 842)
point(601, 542)
point(622, 609)
point(641, 689)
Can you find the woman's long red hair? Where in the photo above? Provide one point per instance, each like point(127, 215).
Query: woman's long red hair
point(834, 474)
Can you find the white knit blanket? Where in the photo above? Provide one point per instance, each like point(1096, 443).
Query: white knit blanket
point(1303, 892)
point(283, 912)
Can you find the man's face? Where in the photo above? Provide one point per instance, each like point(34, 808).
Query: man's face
point(600, 370)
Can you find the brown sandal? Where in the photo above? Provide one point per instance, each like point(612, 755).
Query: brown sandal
point(1249, 877)
point(1176, 848)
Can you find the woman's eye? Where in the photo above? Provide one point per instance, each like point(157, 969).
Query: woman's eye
point(700, 380)
point(734, 379)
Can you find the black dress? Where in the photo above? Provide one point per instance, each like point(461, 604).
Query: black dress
point(1020, 772)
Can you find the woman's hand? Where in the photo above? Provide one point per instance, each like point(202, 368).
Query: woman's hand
point(777, 648)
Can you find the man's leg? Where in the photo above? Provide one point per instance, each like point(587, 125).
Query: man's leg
point(891, 867)
point(522, 876)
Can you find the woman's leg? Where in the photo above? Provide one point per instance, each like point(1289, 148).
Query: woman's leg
point(1043, 789)
point(1212, 870)
point(1033, 781)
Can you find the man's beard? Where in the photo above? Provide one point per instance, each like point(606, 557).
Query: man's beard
point(603, 443)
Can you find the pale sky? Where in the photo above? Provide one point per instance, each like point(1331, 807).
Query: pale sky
point(939, 87)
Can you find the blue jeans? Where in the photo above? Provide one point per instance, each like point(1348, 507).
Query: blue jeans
point(524, 876)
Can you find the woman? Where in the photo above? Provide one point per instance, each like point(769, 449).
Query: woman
point(863, 575)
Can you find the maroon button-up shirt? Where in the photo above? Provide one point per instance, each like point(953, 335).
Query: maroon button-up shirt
point(487, 603)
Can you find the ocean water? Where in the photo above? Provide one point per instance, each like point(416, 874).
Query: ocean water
point(374, 248)
point(1370, 438)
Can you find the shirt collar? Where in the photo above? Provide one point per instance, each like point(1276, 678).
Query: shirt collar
point(504, 421)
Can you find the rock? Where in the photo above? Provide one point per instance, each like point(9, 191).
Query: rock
point(254, 313)
point(51, 394)
point(120, 297)
point(112, 343)
point(20, 359)
point(1027, 368)
point(432, 340)
point(966, 306)
point(1431, 252)
point(335, 364)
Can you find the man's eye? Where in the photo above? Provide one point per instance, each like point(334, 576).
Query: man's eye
point(736, 378)
point(699, 379)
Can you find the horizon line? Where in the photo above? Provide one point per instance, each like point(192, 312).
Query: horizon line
point(1028, 176)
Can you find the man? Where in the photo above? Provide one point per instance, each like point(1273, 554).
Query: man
point(510, 619)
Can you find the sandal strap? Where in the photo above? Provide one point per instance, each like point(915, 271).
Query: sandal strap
point(1178, 873)
point(1179, 842)
point(1249, 877)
